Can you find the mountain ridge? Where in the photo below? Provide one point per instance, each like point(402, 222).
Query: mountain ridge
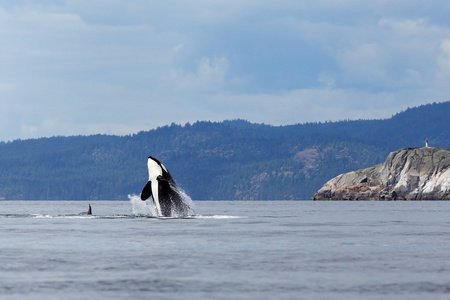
point(230, 160)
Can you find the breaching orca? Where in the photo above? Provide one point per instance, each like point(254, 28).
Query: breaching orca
point(164, 191)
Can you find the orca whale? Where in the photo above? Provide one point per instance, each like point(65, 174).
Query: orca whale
point(162, 188)
point(89, 212)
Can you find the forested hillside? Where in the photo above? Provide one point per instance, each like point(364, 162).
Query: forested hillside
point(227, 160)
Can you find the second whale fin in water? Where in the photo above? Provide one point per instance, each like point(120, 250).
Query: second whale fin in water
point(89, 212)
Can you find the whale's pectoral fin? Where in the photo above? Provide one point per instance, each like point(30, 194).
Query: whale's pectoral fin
point(147, 191)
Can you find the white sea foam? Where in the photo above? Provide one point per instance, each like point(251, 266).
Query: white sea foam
point(187, 200)
point(218, 217)
point(38, 216)
point(148, 208)
point(142, 208)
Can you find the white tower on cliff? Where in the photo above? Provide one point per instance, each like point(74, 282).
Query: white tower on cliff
point(426, 143)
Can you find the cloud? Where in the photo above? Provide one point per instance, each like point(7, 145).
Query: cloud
point(81, 67)
point(444, 59)
point(208, 77)
point(7, 87)
point(365, 64)
point(313, 105)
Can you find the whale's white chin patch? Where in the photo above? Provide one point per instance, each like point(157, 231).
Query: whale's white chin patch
point(155, 193)
point(158, 208)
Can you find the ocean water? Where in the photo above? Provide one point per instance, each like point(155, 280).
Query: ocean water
point(226, 250)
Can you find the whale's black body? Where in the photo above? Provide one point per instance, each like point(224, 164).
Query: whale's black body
point(89, 212)
point(163, 189)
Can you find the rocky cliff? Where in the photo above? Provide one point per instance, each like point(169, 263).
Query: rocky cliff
point(407, 174)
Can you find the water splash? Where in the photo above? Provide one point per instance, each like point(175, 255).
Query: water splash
point(219, 217)
point(148, 208)
point(188, 201)
point(142, 208)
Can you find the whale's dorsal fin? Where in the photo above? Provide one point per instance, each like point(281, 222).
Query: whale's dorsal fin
point(89, 212)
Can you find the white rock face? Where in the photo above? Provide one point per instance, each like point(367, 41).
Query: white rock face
point(407, 174)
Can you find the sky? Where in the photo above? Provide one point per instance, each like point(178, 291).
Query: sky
point(119, 67)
